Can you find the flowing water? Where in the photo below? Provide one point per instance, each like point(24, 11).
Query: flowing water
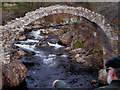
point(48, 61)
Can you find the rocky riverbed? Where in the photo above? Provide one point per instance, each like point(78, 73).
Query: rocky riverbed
point(47, 61)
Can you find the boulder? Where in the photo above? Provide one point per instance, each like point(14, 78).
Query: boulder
point(36, 26)
point(54, 41)
point(77, 56)
point(58, 32)
point(66, 28)
point(33, 27)
point(21, 53)
point(102, 76)
point(88, 60)
point(47, 31)
point(21, 33)
point(67, 49)
point(65, 38)
point(28, 27)
point(13, 73)
point(45, 37)
point(18, 54)
point(85, 60)
point(15, 55)
point(80, 60)
point(17, 37)
point(22, 37)
point(42, 44)
point(77, 50)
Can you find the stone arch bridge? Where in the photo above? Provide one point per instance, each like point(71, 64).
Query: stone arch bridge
point(9, 32)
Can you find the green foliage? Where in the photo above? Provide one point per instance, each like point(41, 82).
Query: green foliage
point(78, 17)
point(69, 21)
point(94, 53)
point(80, 44)
point(48, 22)
point(73, 40)
point(8, 7)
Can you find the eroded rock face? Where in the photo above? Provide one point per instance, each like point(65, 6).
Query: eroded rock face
point(13, 73)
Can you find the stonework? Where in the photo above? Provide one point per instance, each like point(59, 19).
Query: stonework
point(12, 28)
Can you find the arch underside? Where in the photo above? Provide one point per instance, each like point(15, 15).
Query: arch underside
point(105, 40)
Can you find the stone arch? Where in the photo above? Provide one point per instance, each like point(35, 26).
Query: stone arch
point(12, 29)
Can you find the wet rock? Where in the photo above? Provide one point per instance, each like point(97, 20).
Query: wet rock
point(80, 60)
point(18, 54)
point(28, 58)
point(21, 53)
point(66, 28)
point(31, 43)
point(14, 49)
point(31, 53)
point(65, 38)
point(34, 27)
point(89, 60)
point(77, 56)
point(29, 63)
point(21, 33)
point(15, 55)
point(102, 76)
point(28, 27)
point(43, 39)
point(67, 49)
point(37, 22)
point(58, 32)
point(22, 37)
point(54, 41)
point(13, 73)
point(59, 54)
point(43, 44)
point(78, 50)
point(47, 31)
point(17, 37)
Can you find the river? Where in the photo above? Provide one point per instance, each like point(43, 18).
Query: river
point(49, 62)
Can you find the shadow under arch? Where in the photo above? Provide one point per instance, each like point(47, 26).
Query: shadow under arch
point(105, 41)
